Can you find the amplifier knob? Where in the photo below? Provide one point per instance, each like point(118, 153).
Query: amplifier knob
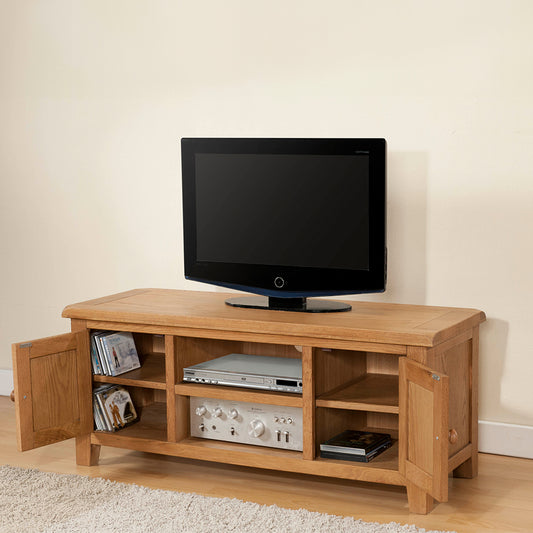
point(201, 410)
point(217, 412)
point(256, 428)
point(233, 413)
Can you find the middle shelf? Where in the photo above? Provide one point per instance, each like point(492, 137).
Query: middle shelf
point(239, 394)
point(151, 374)
point(371, 392)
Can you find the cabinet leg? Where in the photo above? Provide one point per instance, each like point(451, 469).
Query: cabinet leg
point(419, 501)
point(468, 469)
point(87, 454)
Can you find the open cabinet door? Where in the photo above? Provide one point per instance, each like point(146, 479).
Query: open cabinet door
point(423, 451)
point(52, 389)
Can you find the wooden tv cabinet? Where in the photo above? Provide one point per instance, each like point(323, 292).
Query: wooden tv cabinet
point(407, 370)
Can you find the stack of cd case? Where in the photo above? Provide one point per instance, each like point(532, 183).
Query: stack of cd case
point(352, 445)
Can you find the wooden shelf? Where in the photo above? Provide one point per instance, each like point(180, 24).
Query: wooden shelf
point(383, 468)
point(387, 460)
point(150, 375)
point(152, 425)
point(212, 444)
point(373, 392)
point(238, 394)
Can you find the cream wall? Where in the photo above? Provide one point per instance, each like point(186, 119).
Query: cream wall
point(95, 95)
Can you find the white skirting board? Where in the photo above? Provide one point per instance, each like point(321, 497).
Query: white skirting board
point(6, 382)
point(506, 439)
point(494, 437)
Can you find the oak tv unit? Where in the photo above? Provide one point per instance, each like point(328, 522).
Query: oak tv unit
point(407, 370)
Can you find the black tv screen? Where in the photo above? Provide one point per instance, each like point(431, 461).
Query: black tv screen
point(285, 218)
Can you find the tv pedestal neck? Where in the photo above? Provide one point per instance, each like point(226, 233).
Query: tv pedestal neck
point(407, 370)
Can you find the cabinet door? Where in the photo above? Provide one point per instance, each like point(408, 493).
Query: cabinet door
point(52, 389)
point(423, 449)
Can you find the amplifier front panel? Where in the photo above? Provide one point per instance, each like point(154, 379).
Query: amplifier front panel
point(247, 423)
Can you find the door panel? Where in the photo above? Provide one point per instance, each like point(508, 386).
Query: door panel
point(50, 389)
point(423, 454)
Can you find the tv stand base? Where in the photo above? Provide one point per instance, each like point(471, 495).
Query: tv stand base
point(289, 304)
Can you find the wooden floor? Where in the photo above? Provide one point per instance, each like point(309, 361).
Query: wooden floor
point(499, 499)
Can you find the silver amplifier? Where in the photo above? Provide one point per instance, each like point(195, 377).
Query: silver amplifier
point(252, 371)
point(248, 423)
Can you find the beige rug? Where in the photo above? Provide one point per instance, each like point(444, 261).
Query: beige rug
point(32, 501)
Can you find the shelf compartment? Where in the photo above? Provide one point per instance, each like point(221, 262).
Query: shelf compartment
point(151, 426)
point(387, 460)
point(150, 375)
point(239, 394)
point(382, 469)
point(372, 392)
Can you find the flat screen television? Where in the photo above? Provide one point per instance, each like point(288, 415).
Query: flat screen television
point(285, 219)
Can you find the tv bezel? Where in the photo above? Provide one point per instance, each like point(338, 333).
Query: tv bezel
point(298, 281)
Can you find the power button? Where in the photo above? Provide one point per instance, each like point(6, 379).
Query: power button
point(279, 282)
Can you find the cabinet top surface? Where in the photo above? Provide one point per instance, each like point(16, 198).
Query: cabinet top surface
point(387, 323)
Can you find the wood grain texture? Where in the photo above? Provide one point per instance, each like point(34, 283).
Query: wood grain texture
point(419, 500)
point(86, 453)
point(247, 337)
point(47, 392)
point(55, 390)
point(254, 456)
point(239, 394)
point(424, 430)
point(372, 392)
point(171, 376)
point(469, 469)
point(455, 362)
point(150, 375)
point(366, 322)
point(308, 400)
point(334, 368)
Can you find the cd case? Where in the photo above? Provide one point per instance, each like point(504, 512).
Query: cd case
point(353, 445)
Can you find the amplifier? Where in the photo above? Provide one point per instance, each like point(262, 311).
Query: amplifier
point(274, 426)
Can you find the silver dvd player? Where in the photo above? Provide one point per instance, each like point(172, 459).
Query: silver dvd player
point(252, 371)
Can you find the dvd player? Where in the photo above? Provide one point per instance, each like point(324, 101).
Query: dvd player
point(251, 371)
